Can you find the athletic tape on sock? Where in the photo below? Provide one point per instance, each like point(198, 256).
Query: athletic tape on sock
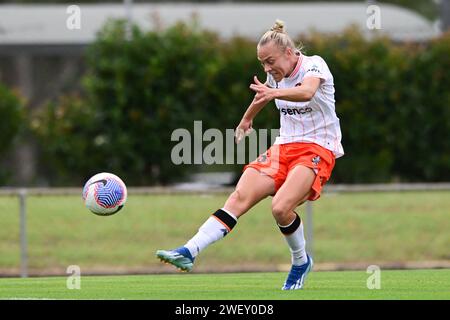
point(225, 218)
point(292, 226)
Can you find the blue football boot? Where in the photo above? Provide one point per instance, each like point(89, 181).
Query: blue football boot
point(297, 275)
point(179, 257)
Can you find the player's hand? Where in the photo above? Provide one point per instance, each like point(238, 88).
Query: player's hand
point(243, 129)
point(263, 94)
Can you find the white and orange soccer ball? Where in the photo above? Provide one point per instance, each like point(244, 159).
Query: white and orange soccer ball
point(105, 194)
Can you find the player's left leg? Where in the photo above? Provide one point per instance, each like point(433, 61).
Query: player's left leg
point(295, 190)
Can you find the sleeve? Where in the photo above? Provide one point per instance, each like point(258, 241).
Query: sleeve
point(270, 81)
point(316, 68)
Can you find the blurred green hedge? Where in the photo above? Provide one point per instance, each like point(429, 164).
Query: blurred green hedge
point(12, 122)
point(393, 101)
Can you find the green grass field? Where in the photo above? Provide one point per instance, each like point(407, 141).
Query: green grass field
point(367, 227)
point(349, 285)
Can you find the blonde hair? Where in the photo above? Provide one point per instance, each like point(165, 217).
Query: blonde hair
point(279, 36)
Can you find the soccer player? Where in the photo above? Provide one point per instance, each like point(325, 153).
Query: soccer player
point(298, 164)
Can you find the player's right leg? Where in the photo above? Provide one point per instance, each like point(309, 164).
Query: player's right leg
point(251, 188)
point(296, 189)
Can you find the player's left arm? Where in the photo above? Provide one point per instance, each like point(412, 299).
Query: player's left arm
point(304, 92)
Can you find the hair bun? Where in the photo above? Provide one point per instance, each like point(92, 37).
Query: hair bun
point(278, 26)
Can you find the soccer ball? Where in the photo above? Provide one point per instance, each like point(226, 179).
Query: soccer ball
point(104, 194)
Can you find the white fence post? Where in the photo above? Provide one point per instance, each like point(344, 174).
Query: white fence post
point(309, 228)
point(23, 234)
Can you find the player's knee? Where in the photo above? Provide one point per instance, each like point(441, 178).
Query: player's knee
point(239, 201)
point(237, 197)
point(279, 210)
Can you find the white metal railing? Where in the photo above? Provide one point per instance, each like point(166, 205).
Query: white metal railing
point(22, 194)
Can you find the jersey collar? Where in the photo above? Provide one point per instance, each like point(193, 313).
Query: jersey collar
point(297, 67)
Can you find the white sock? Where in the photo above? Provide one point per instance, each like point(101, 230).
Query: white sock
point(296, 242)
point(215, 228)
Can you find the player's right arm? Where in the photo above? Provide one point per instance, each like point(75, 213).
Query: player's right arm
point(245, 126)
point(251, 113)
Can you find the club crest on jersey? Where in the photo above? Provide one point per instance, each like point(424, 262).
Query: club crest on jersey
point(262, 158)
point(316, 160)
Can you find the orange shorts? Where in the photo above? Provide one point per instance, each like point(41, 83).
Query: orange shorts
point(279, 159)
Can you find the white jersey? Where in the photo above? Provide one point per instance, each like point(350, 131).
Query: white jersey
point(315, 120)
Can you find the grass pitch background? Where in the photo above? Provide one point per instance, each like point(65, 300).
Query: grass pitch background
point(398, 284)
point(363, 227)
